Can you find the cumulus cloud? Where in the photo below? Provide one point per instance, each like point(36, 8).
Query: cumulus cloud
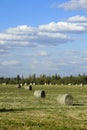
point(74, 5)
point(51, 34)
point(78, 18)
point(30, 36)
point(63, 27)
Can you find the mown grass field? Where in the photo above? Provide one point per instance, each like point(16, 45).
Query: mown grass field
point(20, 110)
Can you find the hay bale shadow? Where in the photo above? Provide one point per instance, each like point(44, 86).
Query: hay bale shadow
point(6, 110)
point(12, 110)
point(78, 104)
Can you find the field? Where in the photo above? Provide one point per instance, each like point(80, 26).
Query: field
point(20, 110)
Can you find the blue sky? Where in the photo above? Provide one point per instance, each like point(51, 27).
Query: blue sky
point(43, 37)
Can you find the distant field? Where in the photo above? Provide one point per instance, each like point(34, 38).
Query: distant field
point(20, 110)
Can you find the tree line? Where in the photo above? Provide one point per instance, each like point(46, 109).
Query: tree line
point(44, 79)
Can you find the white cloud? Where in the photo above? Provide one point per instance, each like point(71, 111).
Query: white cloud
point(78, 18)
point(2, 50)
point(21, 29)
point(11, 62)
point(43, 53)
point(51, 34)
point(74, 5)
point(32, 37)
point(63, 27)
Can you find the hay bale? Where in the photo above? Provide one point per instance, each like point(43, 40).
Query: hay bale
point(18, 86)
point(81, 84)
point(65, 99)
point(28, 87)
point(3, 83)
point(25, 84)
point(34, 84)
point(39, 94)
point(21, 84)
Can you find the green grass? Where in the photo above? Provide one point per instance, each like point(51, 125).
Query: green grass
point(20, 110)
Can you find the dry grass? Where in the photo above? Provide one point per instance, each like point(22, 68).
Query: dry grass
point(20, 110)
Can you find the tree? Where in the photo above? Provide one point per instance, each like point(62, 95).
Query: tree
point(18, 79)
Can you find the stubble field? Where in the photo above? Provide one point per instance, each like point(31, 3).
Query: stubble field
point(20, 110)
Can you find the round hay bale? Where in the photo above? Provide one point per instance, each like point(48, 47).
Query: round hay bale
point(28, 87)
point(39, 94)
point(65, 99)
point(18, 86)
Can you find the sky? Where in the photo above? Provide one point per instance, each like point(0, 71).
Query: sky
point(43, 37)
